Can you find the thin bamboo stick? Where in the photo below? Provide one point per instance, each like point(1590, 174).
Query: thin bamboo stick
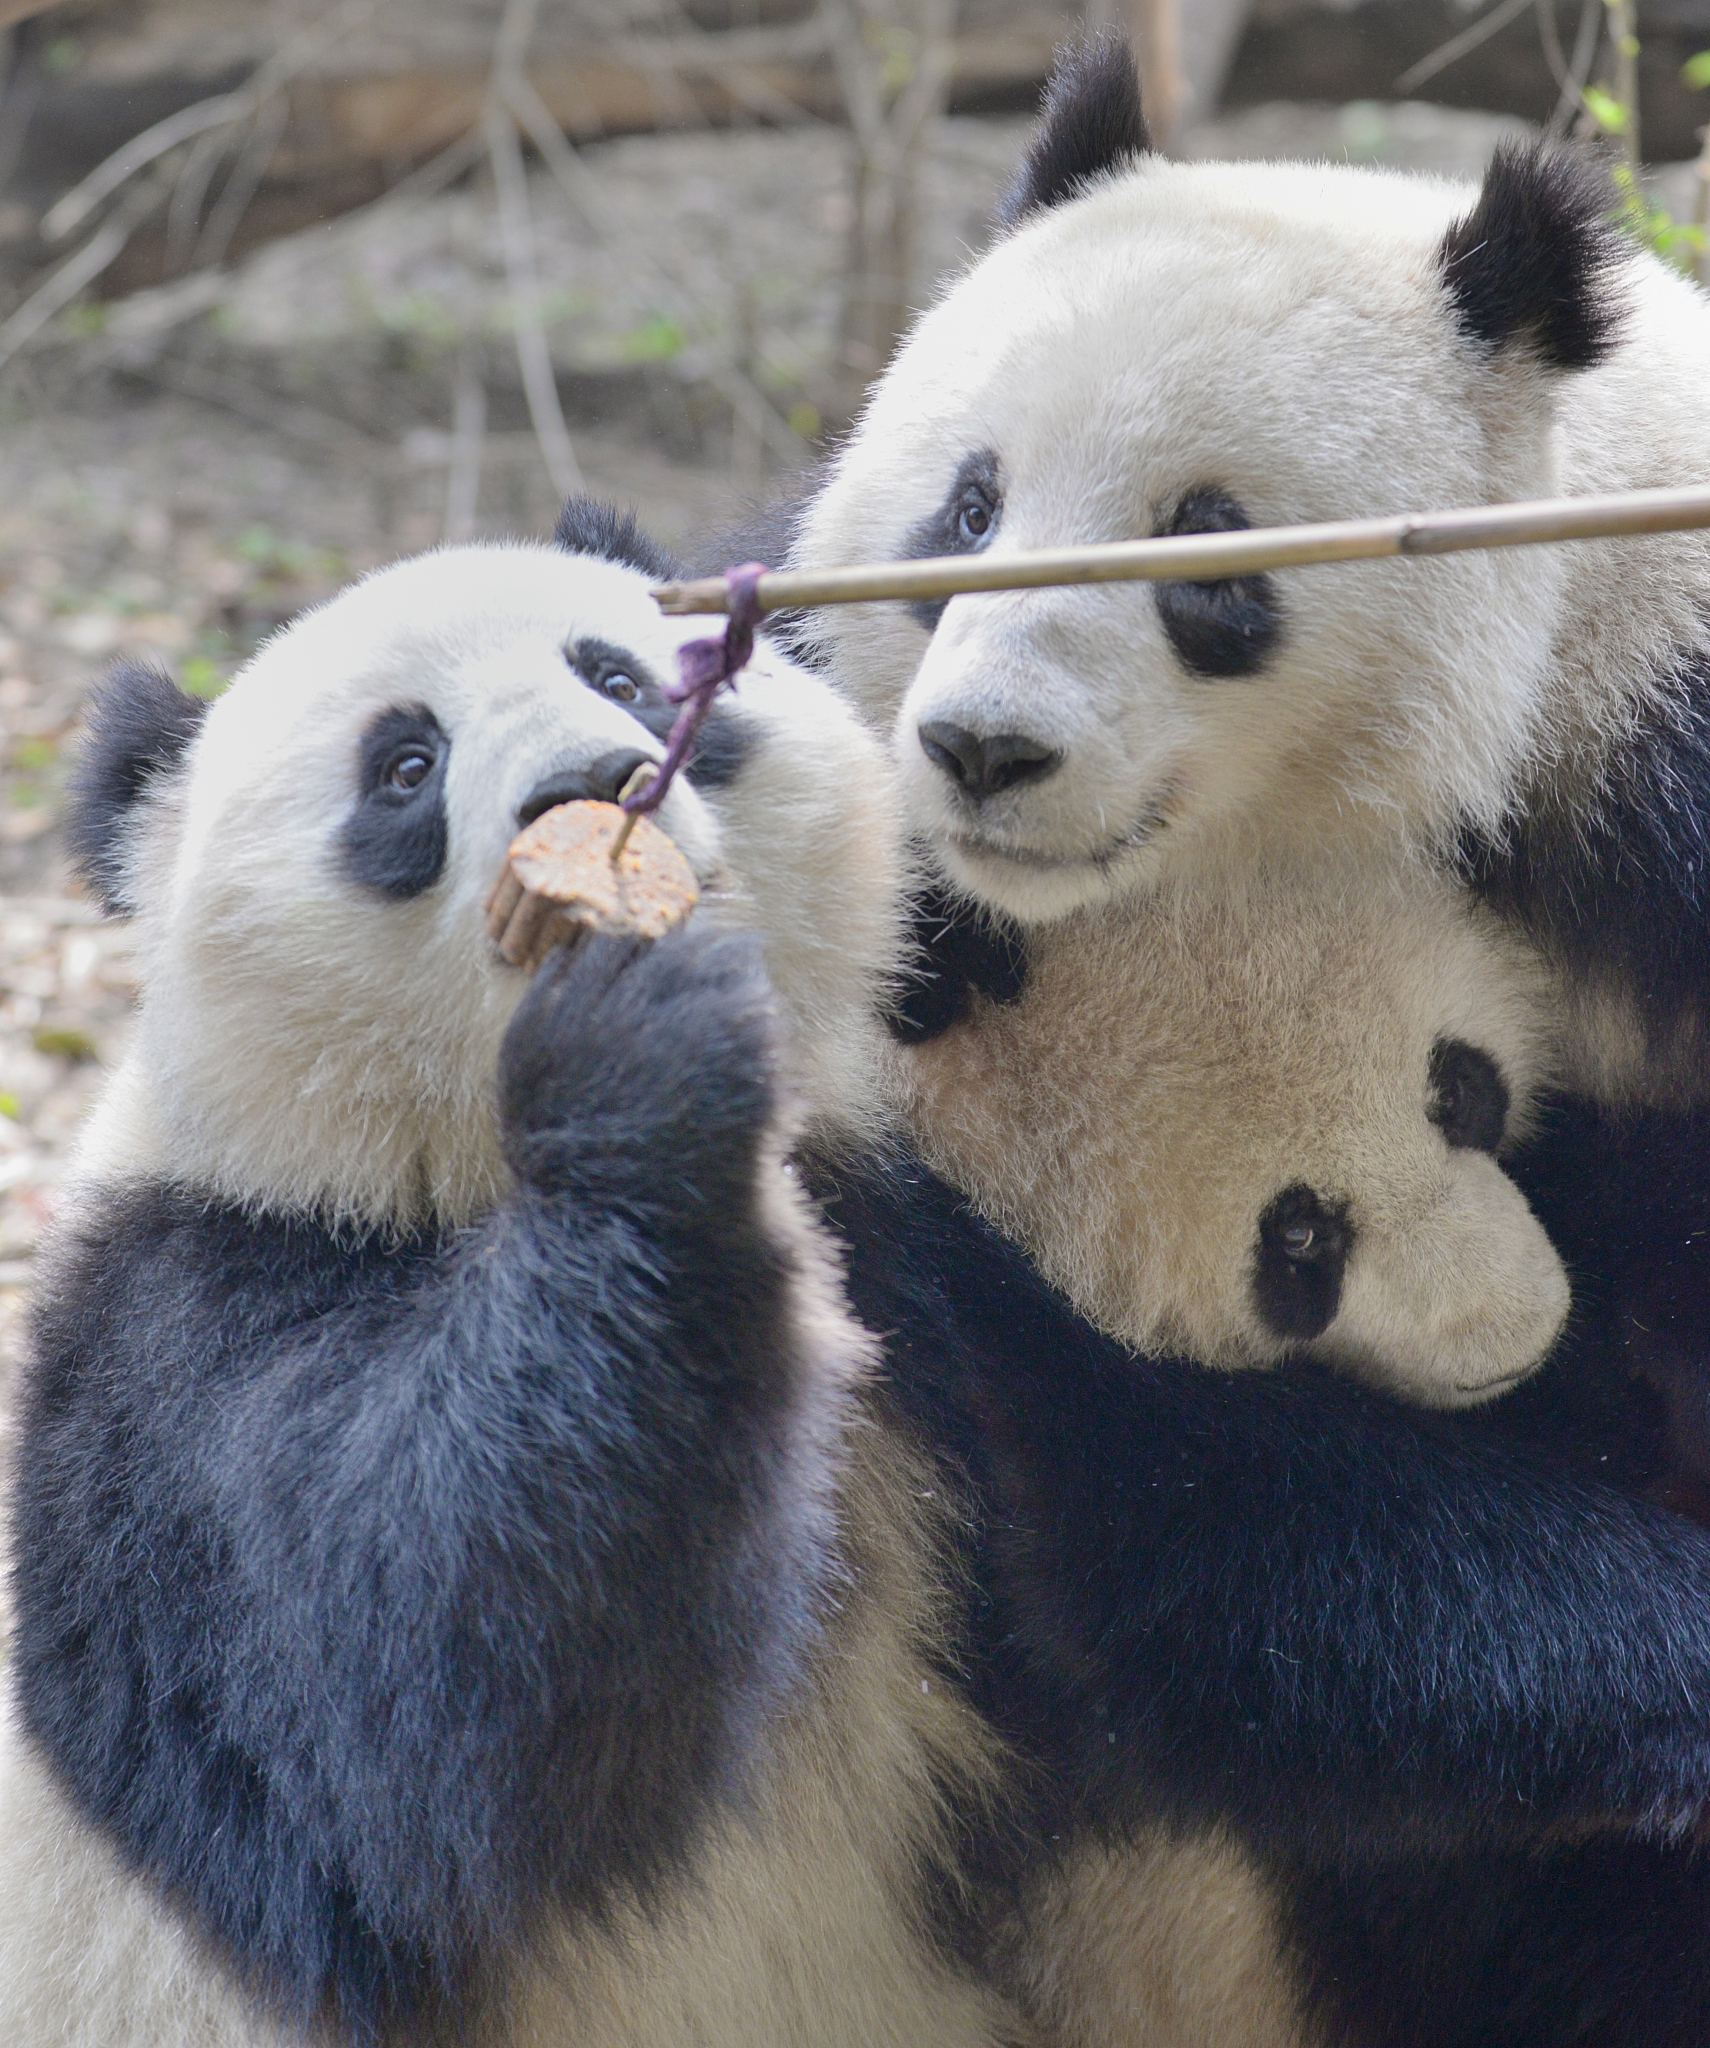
point(1214, 557)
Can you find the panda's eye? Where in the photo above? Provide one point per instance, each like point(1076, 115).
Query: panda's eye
point(409, 770)
point(623, 687)
point(974, 519)
point(1298, 1263)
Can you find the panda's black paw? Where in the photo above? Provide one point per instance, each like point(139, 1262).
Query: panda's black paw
point(633, 1061)
point(959, 952)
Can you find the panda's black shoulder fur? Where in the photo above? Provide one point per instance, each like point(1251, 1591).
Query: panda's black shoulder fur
point(1092, 121)
point(589, 526)
point(1221, 1596)
point(1618, 885)
point(138, 725)
point(1600, 1944)
point(1538, 260)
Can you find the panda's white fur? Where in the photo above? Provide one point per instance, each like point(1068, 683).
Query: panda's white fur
point(1283, 332)
point(248, 927)
point(303, 1048)
point(1130, 1126)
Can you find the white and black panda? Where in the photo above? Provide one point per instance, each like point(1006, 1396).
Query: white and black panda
point(451, 1600)
point(1155, 347)
point(435, 1468)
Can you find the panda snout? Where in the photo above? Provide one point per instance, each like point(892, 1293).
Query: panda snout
point(985, 764)
point(601, 782)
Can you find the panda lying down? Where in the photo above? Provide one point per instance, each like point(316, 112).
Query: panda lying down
point(474, 1577)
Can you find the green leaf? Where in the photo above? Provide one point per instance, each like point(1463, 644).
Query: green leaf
point(202, 677)
point(1695, 72)
point(1610, 114)
point(64, 1041)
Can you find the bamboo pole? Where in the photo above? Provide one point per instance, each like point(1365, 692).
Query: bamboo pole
point(1213, 557)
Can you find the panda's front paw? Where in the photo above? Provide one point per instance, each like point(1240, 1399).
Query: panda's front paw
point(959, 951)
point(633, 1059)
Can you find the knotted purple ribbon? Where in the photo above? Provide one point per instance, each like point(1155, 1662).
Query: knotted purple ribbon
point(704, 668)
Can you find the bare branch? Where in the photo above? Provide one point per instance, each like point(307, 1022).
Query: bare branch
point(468, 438)
point(1459, 46)
point(78, 271)
point(70, 212)
point(246, 176)
point(582, 188)
point(534, 358)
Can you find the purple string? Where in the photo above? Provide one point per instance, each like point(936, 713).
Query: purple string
point(705, 667)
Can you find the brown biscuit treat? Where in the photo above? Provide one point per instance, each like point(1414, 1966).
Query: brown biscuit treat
point(560, 882)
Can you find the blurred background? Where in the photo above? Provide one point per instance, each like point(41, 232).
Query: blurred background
point(287, 289)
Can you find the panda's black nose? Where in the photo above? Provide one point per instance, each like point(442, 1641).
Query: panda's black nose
point(600, 782)
point(982, 765)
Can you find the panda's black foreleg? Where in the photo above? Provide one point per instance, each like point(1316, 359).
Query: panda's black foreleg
point(381, 1601)
point(1277, 1600)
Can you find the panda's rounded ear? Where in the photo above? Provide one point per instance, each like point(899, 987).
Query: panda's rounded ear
point(1091, 121)
point(137, 728)
point(1537, 264)
point(589, 526)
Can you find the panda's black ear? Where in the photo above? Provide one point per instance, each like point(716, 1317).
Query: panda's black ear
point(1091, 122)
point(588, 526)
point(1537, 263)
point(137, 727)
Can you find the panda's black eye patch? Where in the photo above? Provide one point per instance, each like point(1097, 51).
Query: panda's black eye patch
point(1466, 1097)
point(623, 678)
point(1302, 1253)
point(1217, 629)
point(725, 743)
point(394, 840)
point(963, 524)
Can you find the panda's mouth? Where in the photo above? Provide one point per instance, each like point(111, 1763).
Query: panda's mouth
point(1102, 857)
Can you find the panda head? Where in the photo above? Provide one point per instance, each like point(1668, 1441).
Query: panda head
point(1267, 1126)
point(1157, 348)
point(309, 857)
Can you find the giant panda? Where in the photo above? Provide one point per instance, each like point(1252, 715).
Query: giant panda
point(436, 1470)
point(473, 1578)
point(1154, 347)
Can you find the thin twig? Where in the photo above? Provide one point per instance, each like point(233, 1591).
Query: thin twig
point(57, 291)
point(582, 188)
point(468, 437)
point(303, 423)
point(278, 70)
point(245, 179)
point(1572, 76)
point(1459, 46)
point(534, 357)
point(68, 213)
point(1215, 557)
point(1165, 87)
point(1624, 47)
point(189, 191)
